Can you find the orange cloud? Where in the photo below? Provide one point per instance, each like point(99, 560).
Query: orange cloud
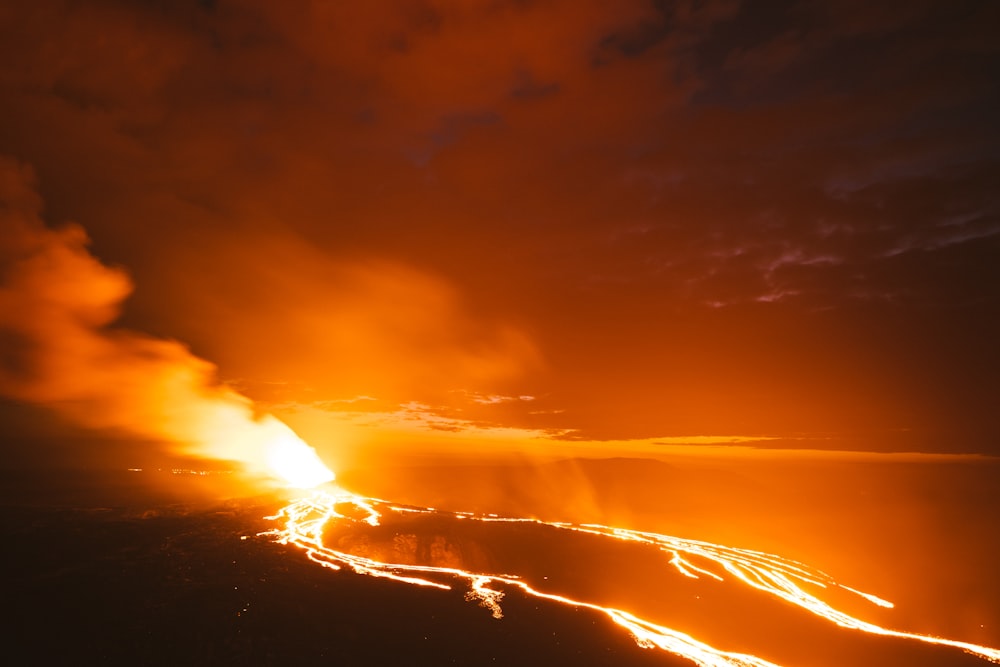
point(58, 302)
point(664, 218)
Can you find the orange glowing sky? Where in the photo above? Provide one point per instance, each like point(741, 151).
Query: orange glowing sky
point(532, 223)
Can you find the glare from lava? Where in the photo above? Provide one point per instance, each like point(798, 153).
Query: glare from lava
point(304, 521)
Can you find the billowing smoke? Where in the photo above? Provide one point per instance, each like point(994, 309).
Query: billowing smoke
point(58, 348)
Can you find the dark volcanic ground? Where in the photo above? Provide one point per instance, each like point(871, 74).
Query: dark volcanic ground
point(109, 568)
point(143, 584)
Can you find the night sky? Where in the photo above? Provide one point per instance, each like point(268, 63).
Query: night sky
point(550, 222)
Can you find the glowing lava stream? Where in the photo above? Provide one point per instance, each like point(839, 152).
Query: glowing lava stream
point(306, 519)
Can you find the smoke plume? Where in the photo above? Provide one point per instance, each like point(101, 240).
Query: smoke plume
point(59, 348)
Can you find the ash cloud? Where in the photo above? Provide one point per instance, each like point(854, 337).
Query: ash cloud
point(623, 181)
point(58, 304)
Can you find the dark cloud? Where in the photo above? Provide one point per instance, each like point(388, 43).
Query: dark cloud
point(662, 217)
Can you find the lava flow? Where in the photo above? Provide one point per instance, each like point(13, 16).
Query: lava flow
point(308, 519)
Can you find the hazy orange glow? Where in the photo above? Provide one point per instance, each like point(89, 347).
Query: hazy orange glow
point(59, 303)
point(299, 237)
point(308, 522)
point(265, 446)
point(293, 460)
point(651, 217)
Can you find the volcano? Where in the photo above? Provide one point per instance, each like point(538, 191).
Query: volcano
point(115, 573)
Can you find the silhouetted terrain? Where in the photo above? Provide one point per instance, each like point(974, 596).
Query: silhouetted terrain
point(136, 584)
point(925, 535)
point(102, 569)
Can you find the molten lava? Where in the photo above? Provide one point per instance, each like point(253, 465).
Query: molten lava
point(306, 520)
